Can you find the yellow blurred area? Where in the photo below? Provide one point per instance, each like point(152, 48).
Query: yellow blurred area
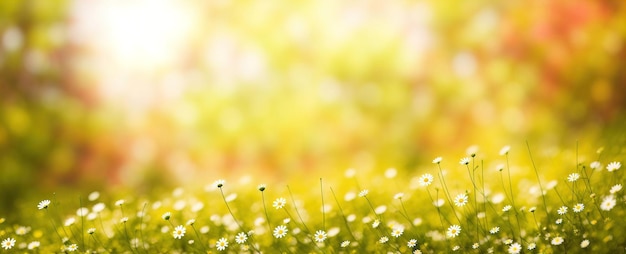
point(101, 94)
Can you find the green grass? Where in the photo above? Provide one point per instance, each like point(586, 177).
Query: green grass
point(500, 201)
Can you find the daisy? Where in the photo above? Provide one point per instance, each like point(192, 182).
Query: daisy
point(345, 244)
point(460, 200)
point(91, 231)
point(439, 202)
point(119, 202)
point(437, 160)
point(531, 246)
point(220, 183)
point(515, 248)
point(578, 207)
point(455, 248)
point(320, 236)
point(508, 241)
point(412, 243)
point(72, 247)
point(532, 209)
point(608, 203)
point(124, 220)
point(261, 187)
point(383, 239)
point(464, 161)
point(363, 193)
point(613, 166)
point(43, 204)
point(397, 231)
point(398, 196)
point(99, 207)
point(81, 212)
point(179, 232)
point(453, 231)
point(557, 240)
point(22, 230)
point(279, 203)
point(562, 210)
point(241, 238)
point(8, 243)
point(573, 177)
point(559, 221)
point(426, 179)
point(616, 188)
point(391, 173)
point(221, 244)
point(475, 246)
point(595, 165)
point(70, 221)
point(33, 245)
point(494, 230)
point(280, 231)
point(93, 196)
point(584, 243)
point(166, 216)
point(505, 150)
point(506, 208)
point(375, 223)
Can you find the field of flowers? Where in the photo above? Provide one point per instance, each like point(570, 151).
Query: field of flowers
point(312, 126)
point(491, 202)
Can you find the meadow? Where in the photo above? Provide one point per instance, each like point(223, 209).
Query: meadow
point(483, 202)
point(312, 126)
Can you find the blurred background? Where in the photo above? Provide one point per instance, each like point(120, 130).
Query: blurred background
point(97, 95)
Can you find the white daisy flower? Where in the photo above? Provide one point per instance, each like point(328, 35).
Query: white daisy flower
point(464, 161)
point(241, 238)
point(437, 160)
point(608, 203)
point(505, 150)
point(411, 243)
point(578, 207)
point(616, 188)
point(460, 200)
point(426, 179)
point(383, 239)
point(562, 210)
point(279, 203)
point(613, 166)
point(557, 240)
point(494, 230)
point(72, 247)
point(280, 231)
point(179, 231)
point(397, 231)
point(345, 244)
point(8, 243)
point(219, 184)
point(506, 208)
point(573, 177)
point(221, 244)
point(515, 248)
point(584, 243)
point(595, 165)
point(43, 204)
point(33, 245)
point(453, 231)
point(320, 236)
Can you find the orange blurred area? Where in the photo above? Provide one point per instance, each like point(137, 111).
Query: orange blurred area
point(152, 94)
